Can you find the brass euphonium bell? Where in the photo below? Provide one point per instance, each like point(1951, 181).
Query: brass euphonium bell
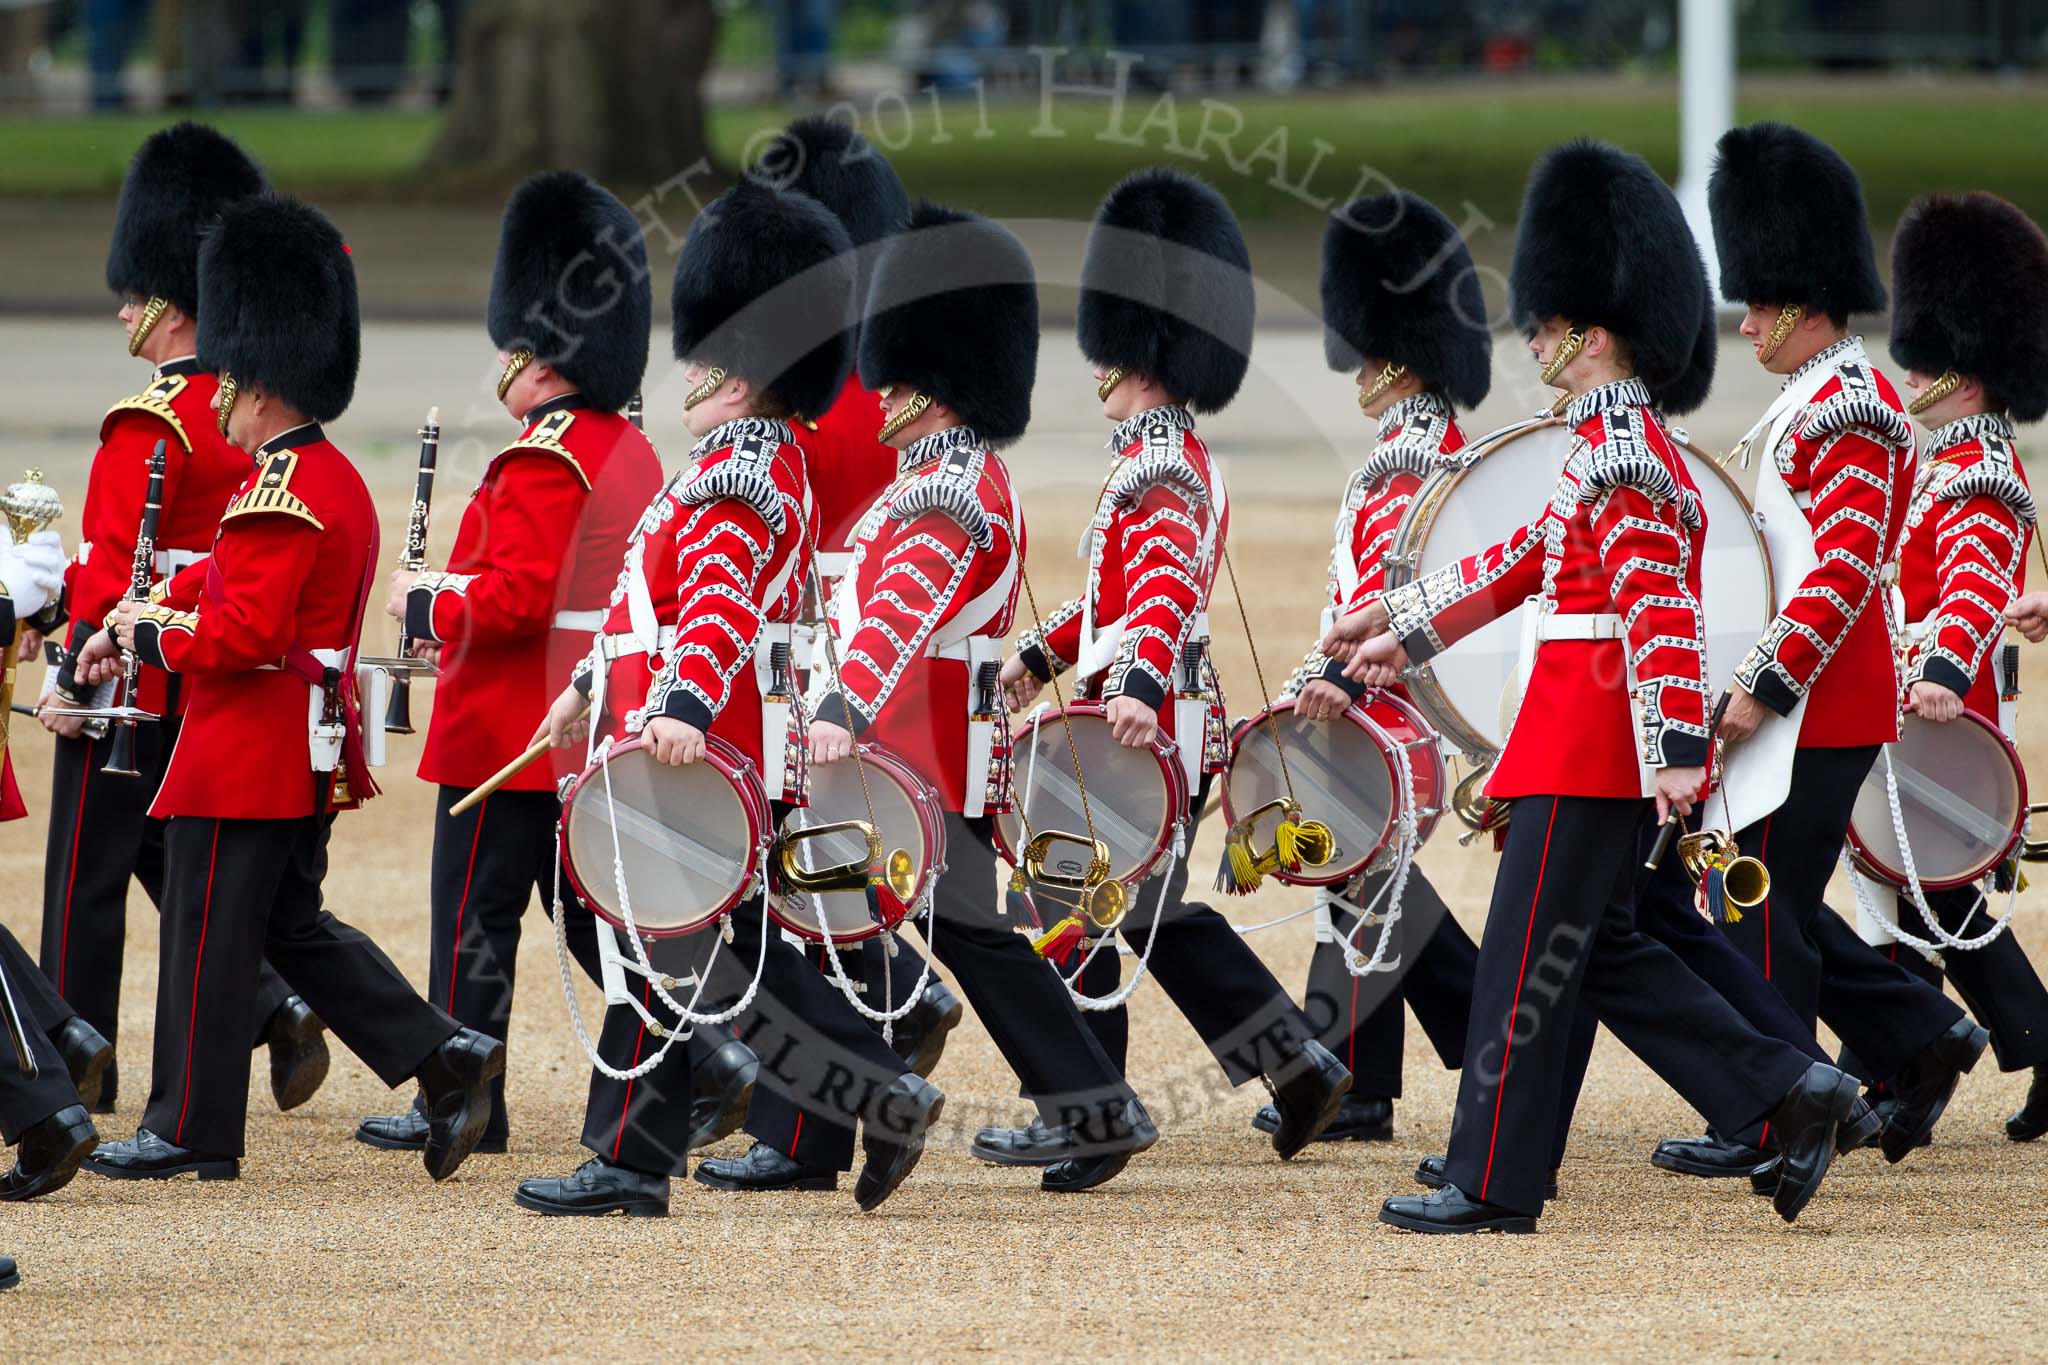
point(1745, 881)
point(870, 872)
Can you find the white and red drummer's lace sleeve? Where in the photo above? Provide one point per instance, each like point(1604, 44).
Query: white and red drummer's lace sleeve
point(1165, 508)
point(1983, 517)
point(1441, 608)
point(1646, 550)
point(1857, 442)
point(920, 585)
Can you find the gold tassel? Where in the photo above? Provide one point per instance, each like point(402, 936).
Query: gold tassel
point(1058, 943)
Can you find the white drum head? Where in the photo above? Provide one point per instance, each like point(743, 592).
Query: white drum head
point(1960, 797)
point(1128, 796)
point(1341, 777)
point(685, 838)
point(834, 797)
point(1470, 691)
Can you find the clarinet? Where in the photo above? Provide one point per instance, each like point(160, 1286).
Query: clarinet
point(121, 760)
point(398, 713)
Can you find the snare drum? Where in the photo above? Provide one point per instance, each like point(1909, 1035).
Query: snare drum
point(1470, 693)
point(1136, 797)
point(690, 837)
point(907, 816)
point(1343, 772)
point(1963, 796)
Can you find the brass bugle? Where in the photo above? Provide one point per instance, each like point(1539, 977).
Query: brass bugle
point(1102, 898)
point(898, 869)
point(2035, 850)
point(1745, 881)
point(1313, 842)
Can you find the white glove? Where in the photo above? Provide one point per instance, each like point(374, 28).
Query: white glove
point(33, 571)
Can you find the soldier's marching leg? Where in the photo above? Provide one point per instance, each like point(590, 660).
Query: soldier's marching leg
point(892, 971)
point(41, 1117)
point(1100, 977)
point(88, 1058)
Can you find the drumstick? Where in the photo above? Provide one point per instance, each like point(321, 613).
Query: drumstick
point(504, 774)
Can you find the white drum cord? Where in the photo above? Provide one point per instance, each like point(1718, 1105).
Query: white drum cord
point(1395, 887)
point(890, 1013)
point(687, 1017)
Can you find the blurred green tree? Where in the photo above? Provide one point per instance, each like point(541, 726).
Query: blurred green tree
point(614, 88)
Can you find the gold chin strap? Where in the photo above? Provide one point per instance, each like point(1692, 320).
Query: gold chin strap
point(1390, 375)
point(1568, 349)
point(918, 405)
point(1941, 388)
point(706, 386)
point(1788, 318)
point(514, 363)
point(229, 391)
point(152, 313)
point(1109, 383)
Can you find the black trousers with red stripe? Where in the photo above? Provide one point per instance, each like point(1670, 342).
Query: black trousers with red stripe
point(1359, 1018)
point(100, 837)
point(26, 1102)
point(1562, 931)
point(1219, 985)
point(1666, 912)
point(1056, 1057)
point(823, 1068)
point(1997, 982)
point(1809, 953)
point(234, 891)
point(489, 863)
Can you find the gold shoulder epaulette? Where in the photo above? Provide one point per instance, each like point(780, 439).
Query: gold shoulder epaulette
point(546, 438)
point(156, 401)
point(272, 493)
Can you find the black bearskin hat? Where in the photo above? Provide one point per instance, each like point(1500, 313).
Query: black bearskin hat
point(836, 166)
point(1602, 242)
point(1166, 287)
point(178, 183)
point(764, 289)
point(1970, 294)
point(277, 304)
point(571, 285)
point(1690, 389)
point(1789, 223)
point(1399, 285)
point(952, 311)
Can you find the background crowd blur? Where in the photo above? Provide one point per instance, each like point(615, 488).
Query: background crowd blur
point(70, 55)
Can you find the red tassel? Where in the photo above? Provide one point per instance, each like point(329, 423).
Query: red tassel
point(1058, 944)
point(885, 907)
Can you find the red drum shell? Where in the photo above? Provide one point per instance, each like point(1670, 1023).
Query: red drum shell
point(1343, 775)
point(907, 811)
point(1137, 796)
point(714, 856)
point(1983, 823)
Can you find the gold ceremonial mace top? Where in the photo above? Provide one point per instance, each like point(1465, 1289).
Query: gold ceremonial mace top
point(30, 506)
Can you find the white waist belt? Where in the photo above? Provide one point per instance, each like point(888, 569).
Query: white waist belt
point(169, 562)
point(329, 658)
point(592, 620)
point(610, 647)
point(1603, 625)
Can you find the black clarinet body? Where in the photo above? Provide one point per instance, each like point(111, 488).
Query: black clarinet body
point(141, 574)
point(398, 712)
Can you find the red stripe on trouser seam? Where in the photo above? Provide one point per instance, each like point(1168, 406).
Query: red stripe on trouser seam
point(462, 906)
point(192, 1023)
point(639, 1040)
point(71, 877)
point(1528, 937)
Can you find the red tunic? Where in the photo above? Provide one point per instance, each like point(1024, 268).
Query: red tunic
point(527, 581)
point(1621, 536)
point(201, 472)
point(1417, 437)
point(1848, 459)
point(290, 569)
point(721, 552)
point(1963, 557)
point(848, 470)
point(1153, 548)
point(934, 563)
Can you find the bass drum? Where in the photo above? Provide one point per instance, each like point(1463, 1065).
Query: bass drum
point(689, 837)
point(1343, 774)
point(1470, 692)
point(906, 814)
point(1136, 797)
point(1963, 796)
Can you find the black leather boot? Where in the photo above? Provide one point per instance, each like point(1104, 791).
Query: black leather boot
point(763, 1168)
point(49, 1154)
point(2030, 1120)
point(919, 1037)
point(893, 1137)
point(722, 1088)
point(148, 1157)
point(455, 1092)
point(1306, 1094)
point(89, 1057)
point(298, 1053)
point(1806, 1126)
point(1360, 1118)
point(1450, 1210)
point(597, 1187)
point(1925, 1084)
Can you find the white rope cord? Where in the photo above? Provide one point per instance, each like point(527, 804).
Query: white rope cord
point(890, 1013)
point(1089, 1004)
point(1395, 888)
point(1917, 894)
